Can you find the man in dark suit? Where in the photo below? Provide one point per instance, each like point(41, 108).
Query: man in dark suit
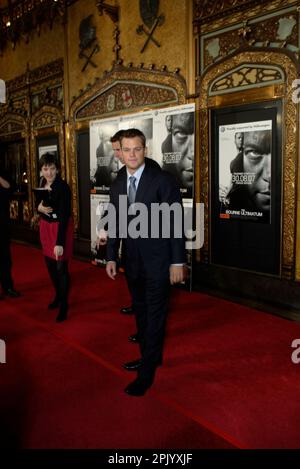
point(5, 255)
point(152, 262)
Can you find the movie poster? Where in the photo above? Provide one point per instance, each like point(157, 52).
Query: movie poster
point(174, 131)
point(245, 157)
point(104, 166)
point(169, 136)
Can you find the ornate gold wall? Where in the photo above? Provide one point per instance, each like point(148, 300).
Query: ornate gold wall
point(171, 35)
point(39, 51)
point(56, 43)
point(249, 32)
point(48, 76)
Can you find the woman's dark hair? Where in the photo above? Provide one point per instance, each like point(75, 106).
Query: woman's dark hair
point(48, 159)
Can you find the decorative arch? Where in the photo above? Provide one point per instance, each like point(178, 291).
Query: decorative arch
point(120, 91)
point(12, 126)
point(246, 77)
point(287, 68)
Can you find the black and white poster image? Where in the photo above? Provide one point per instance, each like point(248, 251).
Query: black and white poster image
point(104, 166)
point(99, 203)
point(245, 171)
point(174, 131)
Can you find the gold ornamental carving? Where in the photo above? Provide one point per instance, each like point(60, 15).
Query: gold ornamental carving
point(47, 119)
point(237, 15)
point(247, 77)
point(290, 139)
point(206, 10)
point(11, 124)
point(127, 97)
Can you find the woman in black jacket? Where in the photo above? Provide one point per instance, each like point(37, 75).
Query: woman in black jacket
point(56, 231)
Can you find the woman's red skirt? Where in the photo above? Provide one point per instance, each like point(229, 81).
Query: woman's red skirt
point(48, 237)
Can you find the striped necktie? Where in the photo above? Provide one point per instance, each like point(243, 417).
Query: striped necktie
point(131, 190)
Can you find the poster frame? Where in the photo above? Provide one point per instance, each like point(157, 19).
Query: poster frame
point(246, 244)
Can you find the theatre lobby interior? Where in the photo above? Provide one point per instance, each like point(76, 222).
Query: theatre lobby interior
point(149, 227)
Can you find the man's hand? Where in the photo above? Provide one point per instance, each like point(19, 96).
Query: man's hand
point(58, 251)
point(101, 239)
point(101, 242)
point(223, 193)
point(44, 210)
point(111, 269)
point(4, 183)
point(177, 273)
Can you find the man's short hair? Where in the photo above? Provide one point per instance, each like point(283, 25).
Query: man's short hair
point(132, 133)
point(48, 159)
point(117, 136)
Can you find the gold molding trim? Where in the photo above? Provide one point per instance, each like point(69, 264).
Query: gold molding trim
point(205, 11)
point(119, 74)
point(239, 15)
point(12, 124)
point(290, 141)
point(22, 132)
point(261, 93)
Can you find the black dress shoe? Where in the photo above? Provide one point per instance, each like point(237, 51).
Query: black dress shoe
point(54, 304)
point(134, 338)
point(63, 313)
point(138, 387)
point(133, 366)
point(127, 310)
point(12, 293)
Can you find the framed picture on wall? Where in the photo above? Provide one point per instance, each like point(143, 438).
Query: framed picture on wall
point(245, 159)
point(48, 149)
point(246, 168)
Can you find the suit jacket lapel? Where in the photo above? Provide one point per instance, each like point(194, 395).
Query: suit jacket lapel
point(143, 184)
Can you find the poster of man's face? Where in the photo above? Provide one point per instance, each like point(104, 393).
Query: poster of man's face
point(175, 144)
point(245, 171)
point(104, 165)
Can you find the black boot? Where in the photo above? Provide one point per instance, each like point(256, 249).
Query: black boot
point(54, 304)
point(63, 313)
point(53, 273)
point(63, 281)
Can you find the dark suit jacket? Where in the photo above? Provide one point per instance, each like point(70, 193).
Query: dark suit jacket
point(151, 255)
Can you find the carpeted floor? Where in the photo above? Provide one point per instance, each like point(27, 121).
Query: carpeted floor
point(227, 380)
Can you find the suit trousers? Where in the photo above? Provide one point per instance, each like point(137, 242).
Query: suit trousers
point(5, 261)
point(150, 298)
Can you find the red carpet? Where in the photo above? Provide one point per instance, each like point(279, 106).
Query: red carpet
point(227, 379)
